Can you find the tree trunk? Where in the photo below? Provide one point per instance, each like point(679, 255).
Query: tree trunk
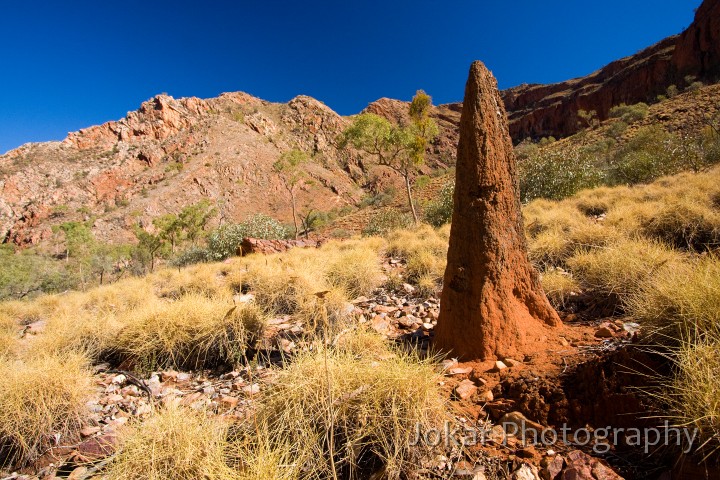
point(492, 305)
point(292, 204)
point(406, 176)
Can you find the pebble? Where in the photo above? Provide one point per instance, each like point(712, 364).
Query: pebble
point(500, 365)
point(465, 389)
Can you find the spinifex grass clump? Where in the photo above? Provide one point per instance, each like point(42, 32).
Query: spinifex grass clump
point(621, 269)
point(193, 331)
point(8, 334)
point(176, 442)
point(694, 393)
point(351, 410)
point(40, 397)
point(559, 287)
point(682, 304)
point(425, 250)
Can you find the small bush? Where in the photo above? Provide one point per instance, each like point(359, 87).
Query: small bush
point(288, 284)
point(693, 394)
point(40, 397)
point(439, 211)
point(356, 270)
point(385, 221)
point(629, 113)
point(684, 223)
point(8, 334)
point(224, 241)
point(554, 175)
point(559, 287)
point(192, 332)
point(650, 154)
point(191, 256)
point(177, 443)
point(424, 251)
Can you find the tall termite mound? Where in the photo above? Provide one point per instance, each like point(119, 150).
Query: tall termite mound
point(492, 304)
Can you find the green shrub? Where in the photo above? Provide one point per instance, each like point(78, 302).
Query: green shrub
point(648, 155)
point(629, 113)
point(385, 221)
point(224, 241)
point(555, 176)
point(439, 211)
point(28, 274)
point(191, 256)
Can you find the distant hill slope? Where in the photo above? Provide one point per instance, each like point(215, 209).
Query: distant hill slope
point(171, 153)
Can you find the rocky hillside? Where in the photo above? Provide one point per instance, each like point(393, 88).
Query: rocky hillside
point(544, 110)
point(171, 153)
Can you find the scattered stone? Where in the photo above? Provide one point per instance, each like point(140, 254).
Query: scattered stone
point(409, 289)
point(526, 472)
point(550, 467)
point(229, 402)
point(89, 431)
point(460, 370)
point(465, 389)
point(581, 466)
point(98, 447)
point(253, 389)
point(119, 379)
point(604, 332)
point(78, 474)
point(512, 363)
point(499, 366)
point(487, 396)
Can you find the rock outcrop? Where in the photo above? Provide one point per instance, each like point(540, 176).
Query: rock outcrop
point(542, 110)
point(267, 247)
point(174, 152)
point(492, 304)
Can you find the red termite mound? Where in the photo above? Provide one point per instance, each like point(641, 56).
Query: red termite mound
point(492, 304)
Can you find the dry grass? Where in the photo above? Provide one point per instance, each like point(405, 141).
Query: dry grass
point(559, 286)
point(176, 442)
point(683, 302)
point(193, 331)
point(424, 250)
point(621, 269)
point(355, 268)
point(203, 279)
point(8, 335)
point(355, 406)
point(40, 397)
point(694, 393)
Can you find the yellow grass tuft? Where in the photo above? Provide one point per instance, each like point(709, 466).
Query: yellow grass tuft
point(9, 330)
point(40, 397)
point(192, 332)
point(177, 443)
point(559, 286)
point(694, 392)
point(356, 269)
point(622, 268)
point(682, 302)
point(424, 250)
point(352, 407)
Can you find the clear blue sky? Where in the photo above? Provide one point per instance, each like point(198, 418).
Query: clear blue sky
point(69, 64)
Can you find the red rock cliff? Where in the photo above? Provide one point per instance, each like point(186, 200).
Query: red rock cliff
point(543, 110)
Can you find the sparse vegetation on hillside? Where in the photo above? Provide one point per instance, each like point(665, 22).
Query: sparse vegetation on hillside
point(626, 150)
point(399, 147)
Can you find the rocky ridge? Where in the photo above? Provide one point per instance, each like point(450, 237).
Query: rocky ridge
point(543, 110)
